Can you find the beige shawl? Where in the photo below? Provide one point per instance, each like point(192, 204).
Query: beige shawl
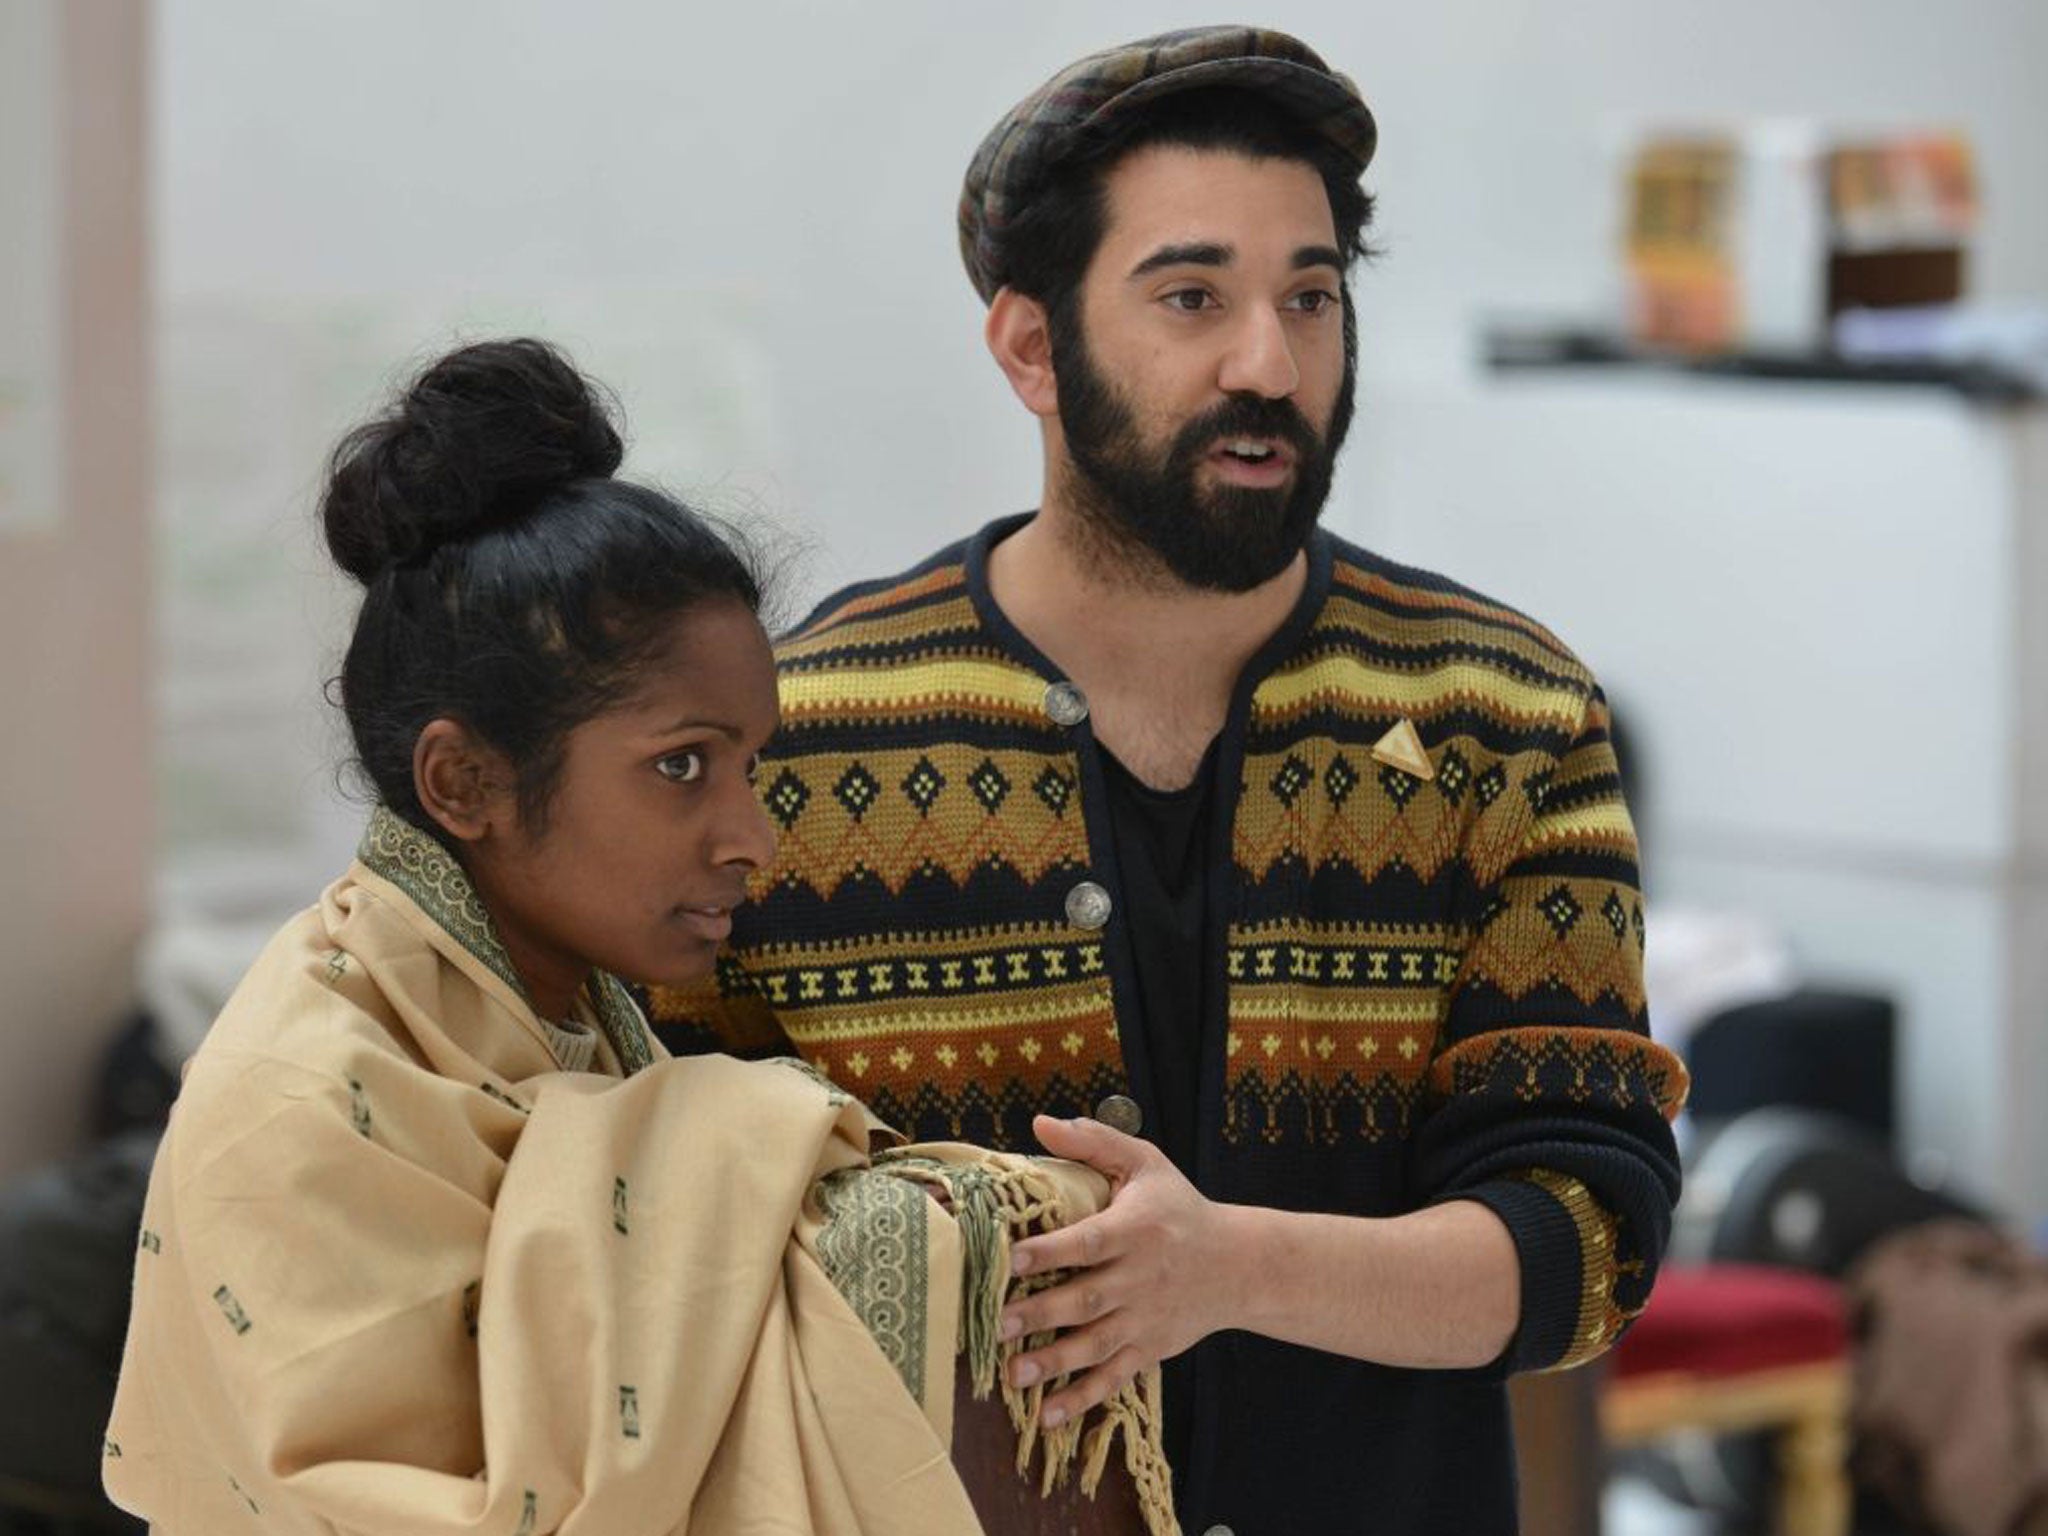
point(401, 1274)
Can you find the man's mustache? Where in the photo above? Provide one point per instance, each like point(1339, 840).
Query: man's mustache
point(1248, 416)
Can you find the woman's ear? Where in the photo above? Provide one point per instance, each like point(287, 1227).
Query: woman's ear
point(1021, 344)
point(465, 785)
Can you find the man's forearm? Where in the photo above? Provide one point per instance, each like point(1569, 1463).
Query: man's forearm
point(1437, 1288)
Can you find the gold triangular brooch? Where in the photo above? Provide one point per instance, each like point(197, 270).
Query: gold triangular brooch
point(1401, 748)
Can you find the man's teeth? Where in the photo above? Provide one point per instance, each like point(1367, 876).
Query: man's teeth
point(1245, 448)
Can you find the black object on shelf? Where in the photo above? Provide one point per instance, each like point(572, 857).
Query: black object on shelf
point(1519, 347)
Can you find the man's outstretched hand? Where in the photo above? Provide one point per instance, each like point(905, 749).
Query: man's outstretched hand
point(1153, 1273)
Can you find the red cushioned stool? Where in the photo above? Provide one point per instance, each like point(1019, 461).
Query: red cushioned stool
point(1726, 1348)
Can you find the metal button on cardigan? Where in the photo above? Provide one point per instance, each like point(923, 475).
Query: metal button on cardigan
point(1120, 1112)
point(1066, 704)
point(1088, 905)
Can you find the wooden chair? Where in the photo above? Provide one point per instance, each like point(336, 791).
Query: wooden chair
point(1728, 1348)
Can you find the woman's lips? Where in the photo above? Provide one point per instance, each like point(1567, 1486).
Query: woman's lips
point(712, 923)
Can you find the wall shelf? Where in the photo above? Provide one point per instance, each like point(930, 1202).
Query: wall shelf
point(1532, 347)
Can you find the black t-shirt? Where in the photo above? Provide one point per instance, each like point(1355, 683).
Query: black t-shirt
point(1162, 848)
point(1162, 855)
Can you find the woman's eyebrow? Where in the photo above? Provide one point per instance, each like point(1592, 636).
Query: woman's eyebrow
point(700, 725)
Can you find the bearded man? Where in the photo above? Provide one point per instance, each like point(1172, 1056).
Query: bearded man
point(1289, 887)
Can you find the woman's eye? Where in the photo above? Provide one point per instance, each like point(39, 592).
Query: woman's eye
point(681, 767)
point(754, 768)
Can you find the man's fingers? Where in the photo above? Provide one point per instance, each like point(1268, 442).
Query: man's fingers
point(1080, 1300)
point(1098, 1386)
point(1070, 1352)
point(1091, 1142)
point(1081, 1246)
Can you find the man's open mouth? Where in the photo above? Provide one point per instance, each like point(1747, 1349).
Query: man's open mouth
point(1251, 450)
point(1262, 453)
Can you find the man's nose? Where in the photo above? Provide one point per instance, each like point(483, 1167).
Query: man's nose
point(1261, 358)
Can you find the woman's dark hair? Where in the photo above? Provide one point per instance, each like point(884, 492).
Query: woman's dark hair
point(509, 582)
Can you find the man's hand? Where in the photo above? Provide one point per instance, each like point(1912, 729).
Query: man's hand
point(1154, 1273)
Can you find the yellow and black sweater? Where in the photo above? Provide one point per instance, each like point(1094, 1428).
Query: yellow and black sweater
point(1427, 983)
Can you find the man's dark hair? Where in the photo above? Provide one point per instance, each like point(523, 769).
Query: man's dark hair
point(1047, 249)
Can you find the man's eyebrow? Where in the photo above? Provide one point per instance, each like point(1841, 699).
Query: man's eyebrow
point(1208, 253)
point(1194, 253)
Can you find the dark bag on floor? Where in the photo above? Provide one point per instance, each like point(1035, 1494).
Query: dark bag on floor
point(1950, 1411)
point(67, 1256)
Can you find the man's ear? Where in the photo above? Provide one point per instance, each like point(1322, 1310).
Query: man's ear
point(1021, 344)
point(464, 784)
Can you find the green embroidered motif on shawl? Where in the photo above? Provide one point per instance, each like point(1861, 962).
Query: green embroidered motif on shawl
point(835, 1095)
point(429, 874)
point(873, 1246)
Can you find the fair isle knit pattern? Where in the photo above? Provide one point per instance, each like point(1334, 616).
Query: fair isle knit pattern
point(1433, 984)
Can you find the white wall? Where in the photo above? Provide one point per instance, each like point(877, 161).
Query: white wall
point(800, 161)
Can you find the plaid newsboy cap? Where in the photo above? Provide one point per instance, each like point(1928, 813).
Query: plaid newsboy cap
point(1012, 165)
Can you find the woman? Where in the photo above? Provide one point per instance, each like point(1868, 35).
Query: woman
point(438, 1240)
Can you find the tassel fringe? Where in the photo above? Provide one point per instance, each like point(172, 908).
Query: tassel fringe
point(995, 1207)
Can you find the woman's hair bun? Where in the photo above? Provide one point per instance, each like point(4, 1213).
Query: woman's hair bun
point(477, 440)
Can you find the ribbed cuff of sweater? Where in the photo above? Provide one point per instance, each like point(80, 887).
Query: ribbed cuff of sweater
point(1564, 1241)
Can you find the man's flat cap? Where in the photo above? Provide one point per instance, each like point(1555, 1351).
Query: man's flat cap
point(1013, 163)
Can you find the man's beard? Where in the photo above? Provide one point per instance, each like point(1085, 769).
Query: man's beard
point(1228, 538)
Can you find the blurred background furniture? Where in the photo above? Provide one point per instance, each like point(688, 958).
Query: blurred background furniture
point(1746, 1325)
point(1946, 1416)
point(1727, 1348)
point(1826, 1050)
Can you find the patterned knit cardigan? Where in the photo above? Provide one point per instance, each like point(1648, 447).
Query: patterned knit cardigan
point(1430, 984)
